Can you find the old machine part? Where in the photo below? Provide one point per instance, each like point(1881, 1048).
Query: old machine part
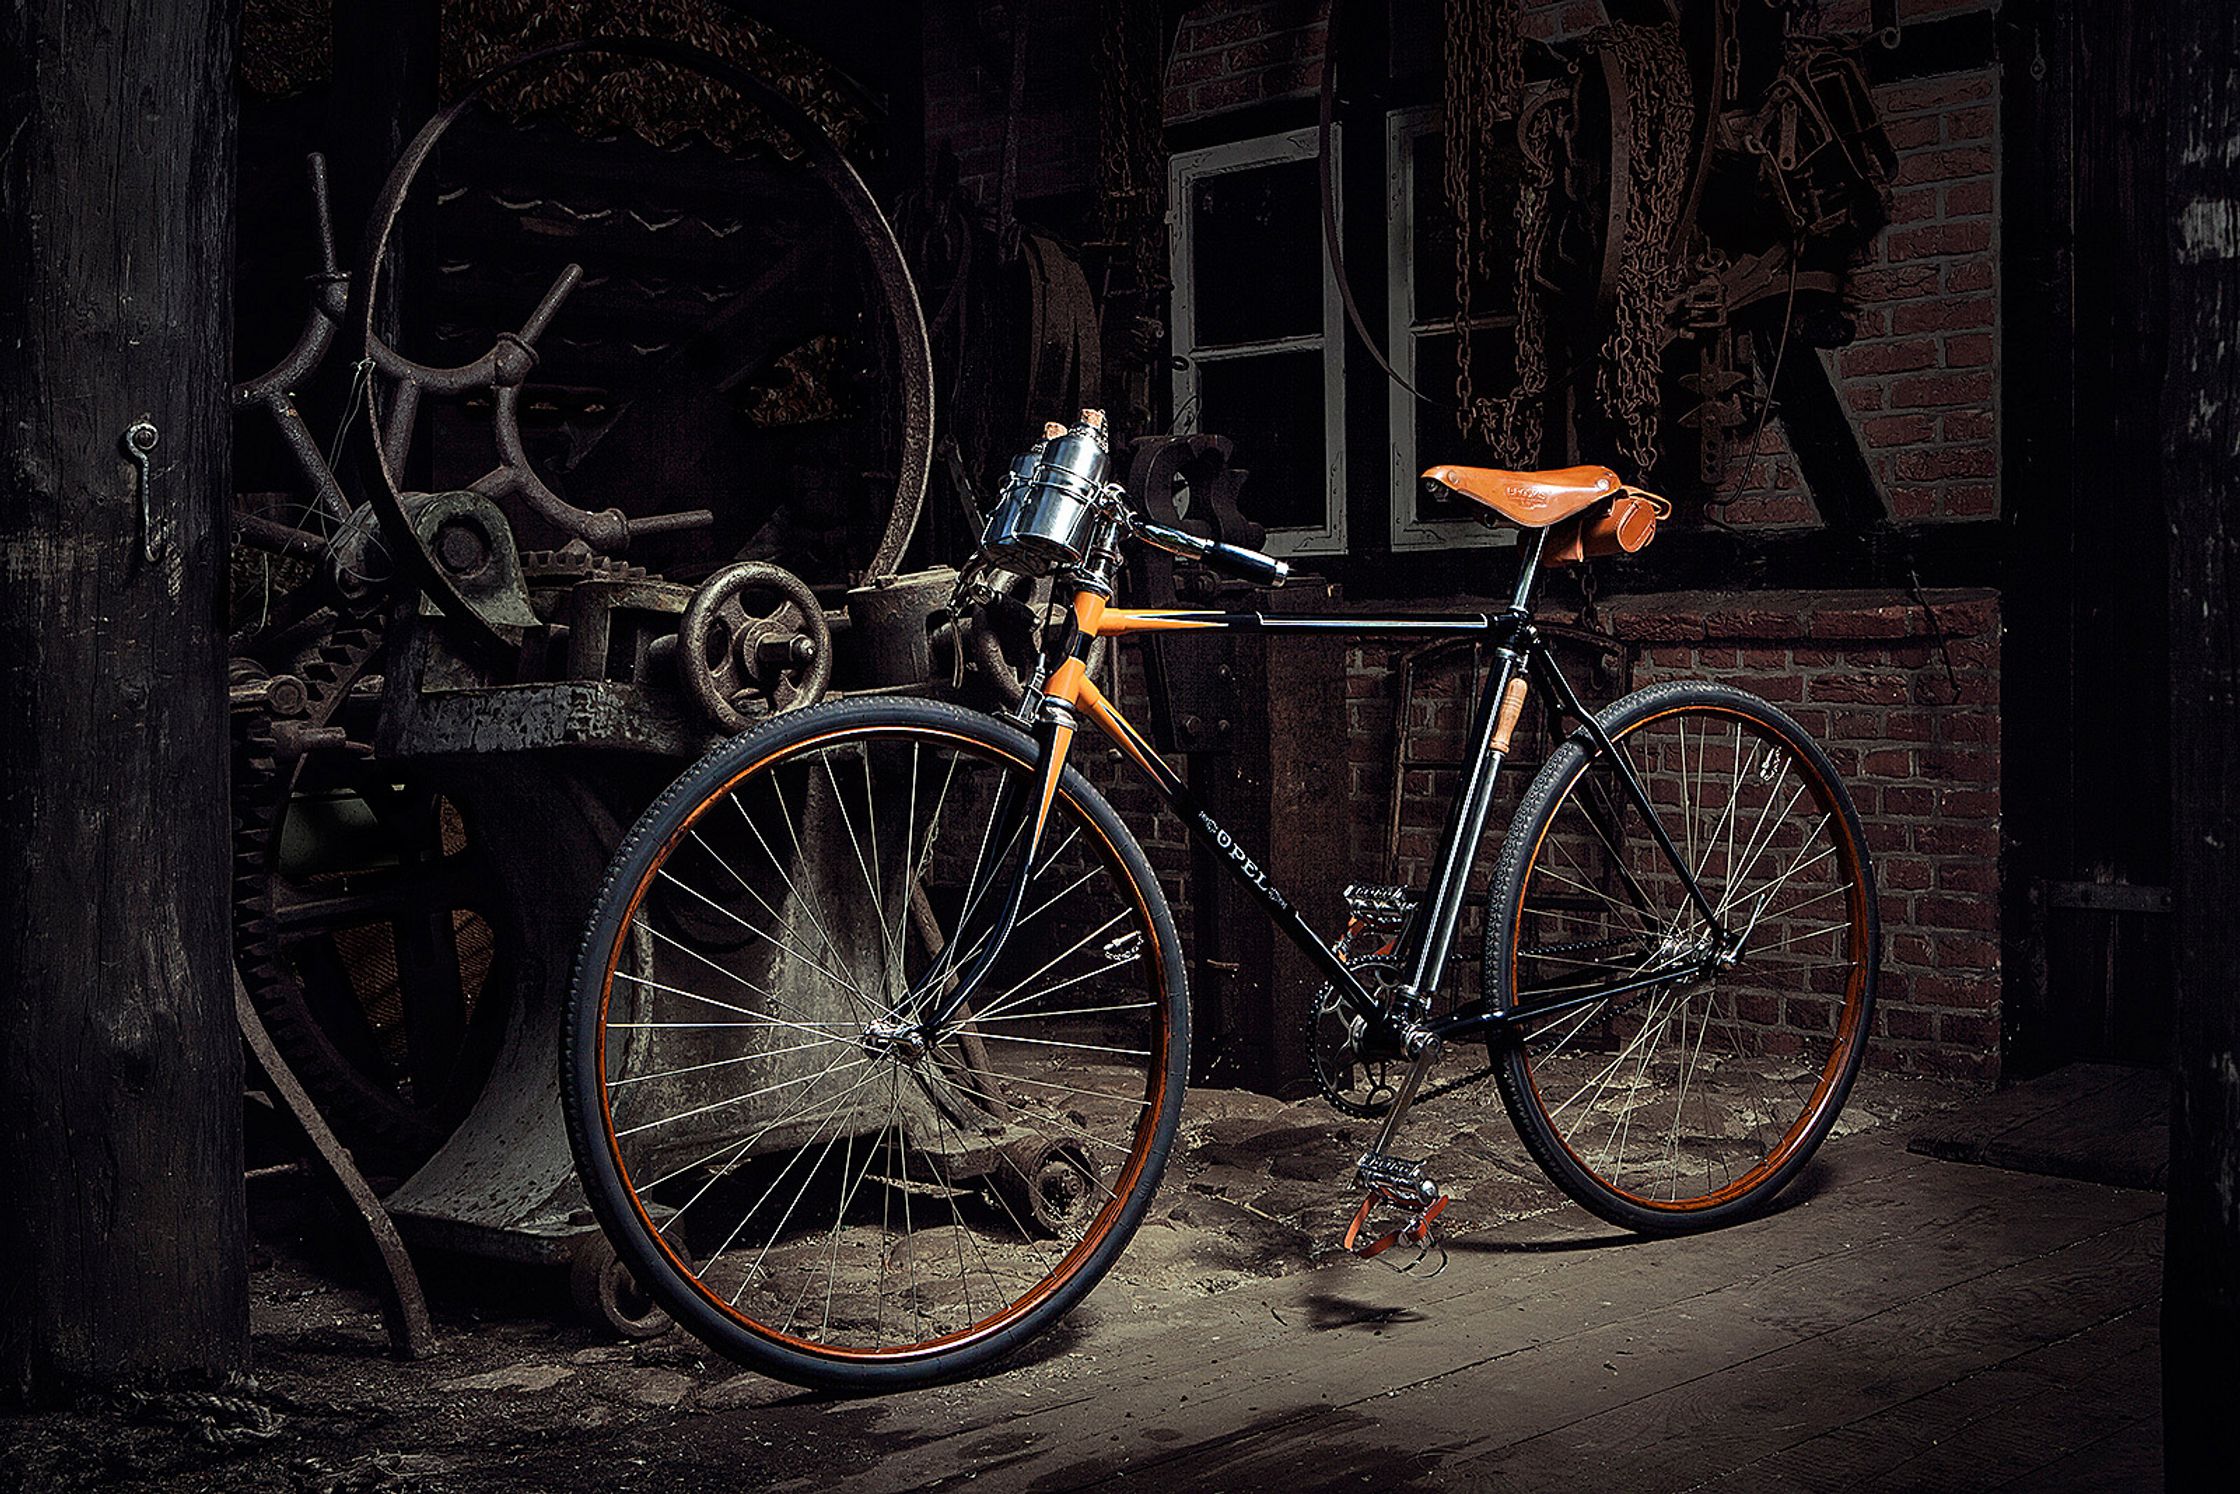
point(1686, 174)
point(404, 1308)
point(753, 632)
point(508, 363)
point(414, 783)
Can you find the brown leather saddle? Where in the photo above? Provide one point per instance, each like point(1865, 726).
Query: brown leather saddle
point(1587, 509)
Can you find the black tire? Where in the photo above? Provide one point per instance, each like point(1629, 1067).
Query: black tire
point(1668, 1138)
point(862, 1216)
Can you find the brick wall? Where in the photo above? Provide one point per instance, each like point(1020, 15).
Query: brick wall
point(1904, 698)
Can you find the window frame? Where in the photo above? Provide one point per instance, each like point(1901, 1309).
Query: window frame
point(1407, 530)
point(1184, 168)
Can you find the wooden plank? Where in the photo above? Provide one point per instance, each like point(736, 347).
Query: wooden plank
point(1737, 1407)
point(2201, 429)
point(1184, 1389)
point(124, 1225)
point(1865, 1451)
point(2103, 1123)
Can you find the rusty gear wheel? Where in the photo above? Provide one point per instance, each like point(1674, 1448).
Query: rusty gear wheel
point(363, 927)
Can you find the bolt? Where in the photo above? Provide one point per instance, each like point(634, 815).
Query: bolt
point(462, 547)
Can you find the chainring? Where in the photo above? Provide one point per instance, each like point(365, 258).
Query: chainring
point(1332, 1049)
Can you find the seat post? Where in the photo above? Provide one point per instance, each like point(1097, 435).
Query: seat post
point(1528, 572)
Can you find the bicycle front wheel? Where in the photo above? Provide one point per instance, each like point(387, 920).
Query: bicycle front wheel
point(779, 1154)
point(1672, 1072)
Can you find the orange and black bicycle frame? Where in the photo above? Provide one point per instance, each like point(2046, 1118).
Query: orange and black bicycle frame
point(1063, 697)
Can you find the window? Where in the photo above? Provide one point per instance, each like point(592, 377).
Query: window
point(1419, 242)
point(1259, 329)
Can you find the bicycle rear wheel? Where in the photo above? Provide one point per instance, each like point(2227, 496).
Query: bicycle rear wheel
point(1701, 1083)
point(798, 1178)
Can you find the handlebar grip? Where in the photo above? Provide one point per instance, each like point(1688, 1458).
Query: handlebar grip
point(1247, 565)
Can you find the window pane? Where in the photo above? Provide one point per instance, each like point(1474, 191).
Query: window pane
point(1256, 255)
point(1270, 405)
point(1432, 229)
point(1437, 439)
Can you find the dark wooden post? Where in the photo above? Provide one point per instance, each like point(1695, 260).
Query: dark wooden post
point(2201, 436)
point(120, 1066)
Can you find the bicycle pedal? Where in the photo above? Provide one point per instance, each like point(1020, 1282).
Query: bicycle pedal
point(1417, 1231)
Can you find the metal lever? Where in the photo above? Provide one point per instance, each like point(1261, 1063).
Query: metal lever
point(140, 439)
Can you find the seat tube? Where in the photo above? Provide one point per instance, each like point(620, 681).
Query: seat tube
point(1496, 720)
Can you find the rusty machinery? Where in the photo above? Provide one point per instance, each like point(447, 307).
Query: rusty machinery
point(1645, 217)
point(440, 730)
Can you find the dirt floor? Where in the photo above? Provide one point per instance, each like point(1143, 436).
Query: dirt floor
point(523, 1397)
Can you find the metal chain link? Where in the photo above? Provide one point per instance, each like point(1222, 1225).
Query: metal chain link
point(1654, 67)
point(1484, 93)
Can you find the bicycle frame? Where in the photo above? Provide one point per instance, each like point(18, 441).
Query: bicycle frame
point(1062, 694)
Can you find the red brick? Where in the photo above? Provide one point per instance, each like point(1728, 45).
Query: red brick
point(1972, 350)
point(1227, 93)
point(1901, 1023)
point(1951, 838)
point(1903, 873)
point(1942, 314)
point(1869, 359)
point(1931, 464)
point(1967, 199)
point(1899, 430)
point(1914, 503)
point(1657, 627)
point(1750, 622)
point(1968, 275)
point(1971, 236)
point(1912, 948)
point(1944, 165)
point(1967, 425)
point(1892, 621)
point(1914, 205)
point(1913, 134)
point(1962, 993)
point(1887, 762)
point(1979, 913)
point(1969, 501)
point(1931, 390)
point(1195, 69)
point(1969, 803)
point(1857, 689)
point(1909, 803)
point(1968, 876)
point(1897, 283)
point(1968, 124)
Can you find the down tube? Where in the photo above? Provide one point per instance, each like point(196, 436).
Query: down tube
point(1287, 916)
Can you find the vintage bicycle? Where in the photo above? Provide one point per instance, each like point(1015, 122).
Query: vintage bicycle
point(878, 1037)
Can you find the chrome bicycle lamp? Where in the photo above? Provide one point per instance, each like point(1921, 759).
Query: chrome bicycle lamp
point(1047, 514)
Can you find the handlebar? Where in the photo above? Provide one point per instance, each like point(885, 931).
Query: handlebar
point(1231, 560)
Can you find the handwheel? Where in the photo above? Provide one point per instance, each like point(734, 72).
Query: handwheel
point(872, 1198)
point(753, 638)
point(1702, 1083)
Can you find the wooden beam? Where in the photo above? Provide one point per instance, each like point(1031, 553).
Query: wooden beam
point(2201, 441)
point(120, 1139)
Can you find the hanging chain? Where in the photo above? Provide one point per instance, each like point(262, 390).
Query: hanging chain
point(1484, 94)
point(1654, 70)
point(1131, 156)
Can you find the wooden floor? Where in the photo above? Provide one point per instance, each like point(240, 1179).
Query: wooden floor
point(1904, 1323)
